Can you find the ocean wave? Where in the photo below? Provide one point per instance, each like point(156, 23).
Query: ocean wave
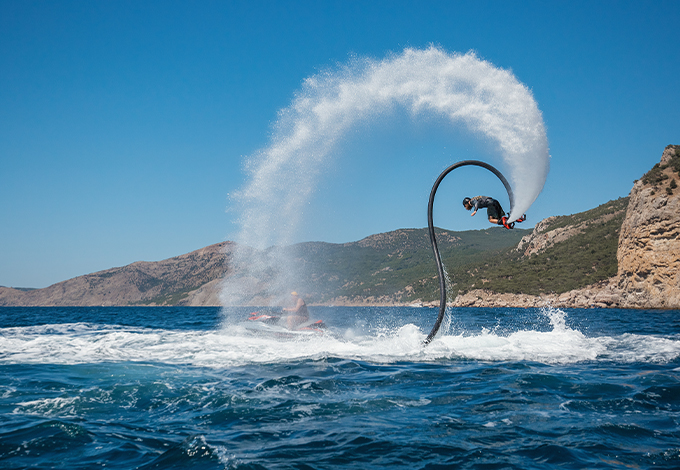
point(232, 345)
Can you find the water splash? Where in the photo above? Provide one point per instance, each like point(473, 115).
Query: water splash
point(448, 318)
point(383, 341)
point(462, 88)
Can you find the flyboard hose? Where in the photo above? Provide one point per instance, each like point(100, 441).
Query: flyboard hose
point(433, 239)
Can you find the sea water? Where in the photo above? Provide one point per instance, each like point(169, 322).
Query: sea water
point(191, 388)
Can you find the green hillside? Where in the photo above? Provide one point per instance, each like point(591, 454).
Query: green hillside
point(586, 257)
point(399, 265)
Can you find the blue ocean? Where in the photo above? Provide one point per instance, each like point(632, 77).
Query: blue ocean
point(194, 388)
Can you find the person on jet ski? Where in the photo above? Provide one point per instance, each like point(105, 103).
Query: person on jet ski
point(298, 313)
point(494, 211)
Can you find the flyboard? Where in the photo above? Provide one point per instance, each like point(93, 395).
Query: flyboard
point(270, 324)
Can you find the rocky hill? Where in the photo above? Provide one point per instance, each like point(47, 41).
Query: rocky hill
point(386, 268)
point(625, 253)
point(647, 252)
point(561, 254)
point(394, 267)
point(187, 279)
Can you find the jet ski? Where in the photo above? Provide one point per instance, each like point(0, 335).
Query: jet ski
point(275, 325)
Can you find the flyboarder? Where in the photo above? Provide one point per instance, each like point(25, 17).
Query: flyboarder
point(494, 211)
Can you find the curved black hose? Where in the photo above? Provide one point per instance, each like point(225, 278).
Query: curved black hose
point(433, 239)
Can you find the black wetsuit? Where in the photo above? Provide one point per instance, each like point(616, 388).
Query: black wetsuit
point(493, 207)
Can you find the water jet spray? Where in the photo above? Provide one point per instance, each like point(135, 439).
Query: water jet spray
point(463, 89)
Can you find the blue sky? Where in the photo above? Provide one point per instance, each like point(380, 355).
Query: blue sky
point(123, 125)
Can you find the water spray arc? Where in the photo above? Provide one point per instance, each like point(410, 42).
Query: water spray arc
point(460, 90)
point(433, 238)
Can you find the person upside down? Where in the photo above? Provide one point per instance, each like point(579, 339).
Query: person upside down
point(494, 211)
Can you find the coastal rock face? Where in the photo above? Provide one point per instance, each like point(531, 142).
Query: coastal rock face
point(649, 244)
point(539, 239)
point(601, 295)
point(544, 236)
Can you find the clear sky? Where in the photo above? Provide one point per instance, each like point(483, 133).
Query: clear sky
point(124, 125)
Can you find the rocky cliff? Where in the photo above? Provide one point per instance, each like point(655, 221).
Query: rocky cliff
point(649, 244)
point(547, 233)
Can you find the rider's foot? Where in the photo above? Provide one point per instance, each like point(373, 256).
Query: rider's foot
point(504, 221)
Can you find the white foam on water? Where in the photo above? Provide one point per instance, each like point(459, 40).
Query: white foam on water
point(235, 346)
point(468, 92)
